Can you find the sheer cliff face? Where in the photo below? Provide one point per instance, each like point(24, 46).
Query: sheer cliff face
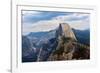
point(65, 30)
point(68, 48)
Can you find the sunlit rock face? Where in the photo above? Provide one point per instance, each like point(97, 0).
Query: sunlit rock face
point(65, 30)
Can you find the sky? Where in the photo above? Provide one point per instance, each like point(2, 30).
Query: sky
point(37, 21)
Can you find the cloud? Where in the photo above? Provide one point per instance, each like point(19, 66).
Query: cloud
point(72, 17)
point(36, 16)
point(45, 25)
point(75, 20)
point(30, 16)
point(80, 24)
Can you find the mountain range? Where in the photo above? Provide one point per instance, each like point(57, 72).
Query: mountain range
point(41, 46)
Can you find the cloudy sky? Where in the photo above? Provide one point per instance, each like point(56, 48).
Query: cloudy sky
point(36, 21)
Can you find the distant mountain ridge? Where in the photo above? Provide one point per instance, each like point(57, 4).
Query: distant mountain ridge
point(46, 34)
point(83, 36)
